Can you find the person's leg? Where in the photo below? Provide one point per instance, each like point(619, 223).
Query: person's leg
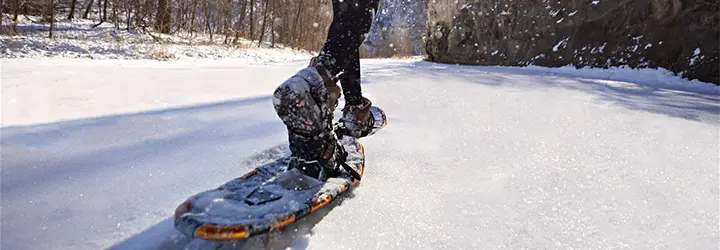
point(341, 54)
point(302, 104)
point(305, 102)
point(350, 81)
point(352, 20)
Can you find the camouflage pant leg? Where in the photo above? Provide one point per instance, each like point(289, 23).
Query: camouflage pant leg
point(302, 104)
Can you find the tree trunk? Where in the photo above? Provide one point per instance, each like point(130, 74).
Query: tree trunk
point(128, 10)
point(115, 14)
point(227, 19)
point(51, 8)
point(99, 7)
point(103, 17)
point(104, 14)
point(240, 22)
point(252, 20)
point(285, 27)
point(294, 34)
point(179, 16)
point(140, 12)
point(163, 16)
point(208, 17)
point(87, 9)
point(192, 17)
point(71, 15)
point(262, 29)
point(16, 10)
point(272, 27)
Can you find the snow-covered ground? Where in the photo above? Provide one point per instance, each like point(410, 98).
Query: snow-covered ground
point(97, 154)
point(78, 38)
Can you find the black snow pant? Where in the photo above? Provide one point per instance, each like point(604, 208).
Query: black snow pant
point(302, 102)
point(340, 54)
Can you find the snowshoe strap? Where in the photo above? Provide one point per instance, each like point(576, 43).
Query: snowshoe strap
point(341, 157)
point(352, 171)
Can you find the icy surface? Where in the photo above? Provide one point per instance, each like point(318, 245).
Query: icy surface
point(97, 155)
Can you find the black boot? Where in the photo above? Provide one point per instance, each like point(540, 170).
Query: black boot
point(357, 118)
point(305, 103)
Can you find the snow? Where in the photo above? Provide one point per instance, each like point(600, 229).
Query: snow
point(696, 56)
point(98, 153)
point(599, 50)
point(78, 39)
point(554, 13)
point(560, 43)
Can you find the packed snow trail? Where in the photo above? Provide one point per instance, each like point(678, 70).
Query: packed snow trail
point(98, 155)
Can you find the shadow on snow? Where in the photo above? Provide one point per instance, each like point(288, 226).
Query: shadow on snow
point(108, 153)
point(294, 236)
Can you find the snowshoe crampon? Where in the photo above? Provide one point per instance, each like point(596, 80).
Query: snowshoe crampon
point(269, 197)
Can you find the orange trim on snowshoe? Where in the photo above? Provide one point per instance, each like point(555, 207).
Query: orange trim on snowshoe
point(320, 202)
point(249, 174)
point(183, 208)
point(283, 222)
point(222, 233)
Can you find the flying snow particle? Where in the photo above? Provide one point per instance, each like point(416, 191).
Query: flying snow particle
point(695, 57)
point(557, 46)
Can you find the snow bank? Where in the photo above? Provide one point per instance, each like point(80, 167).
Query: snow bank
point(78, 39)
point(648, 77)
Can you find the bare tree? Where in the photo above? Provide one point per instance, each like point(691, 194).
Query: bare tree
point(51, 10)
point(103, 17)
point(16, 10)
point(262, 29)
point(208, 17)
point(252, 22)
point(240, 21)
point(88, 7)
point(226, 10)
point(128, 10)
point(192, 16)
point(294, 23)
point(163, 16)
point(71, 15)
point(115, 14)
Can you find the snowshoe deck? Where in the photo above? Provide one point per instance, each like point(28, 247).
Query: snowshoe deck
point(268, 198)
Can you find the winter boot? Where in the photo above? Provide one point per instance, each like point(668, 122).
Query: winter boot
point(358, 119)
point(304, 103)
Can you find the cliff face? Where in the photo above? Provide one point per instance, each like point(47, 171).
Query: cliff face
point(679, 35)
point(397, 30)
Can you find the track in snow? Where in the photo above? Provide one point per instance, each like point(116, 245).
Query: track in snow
point(98, 155)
